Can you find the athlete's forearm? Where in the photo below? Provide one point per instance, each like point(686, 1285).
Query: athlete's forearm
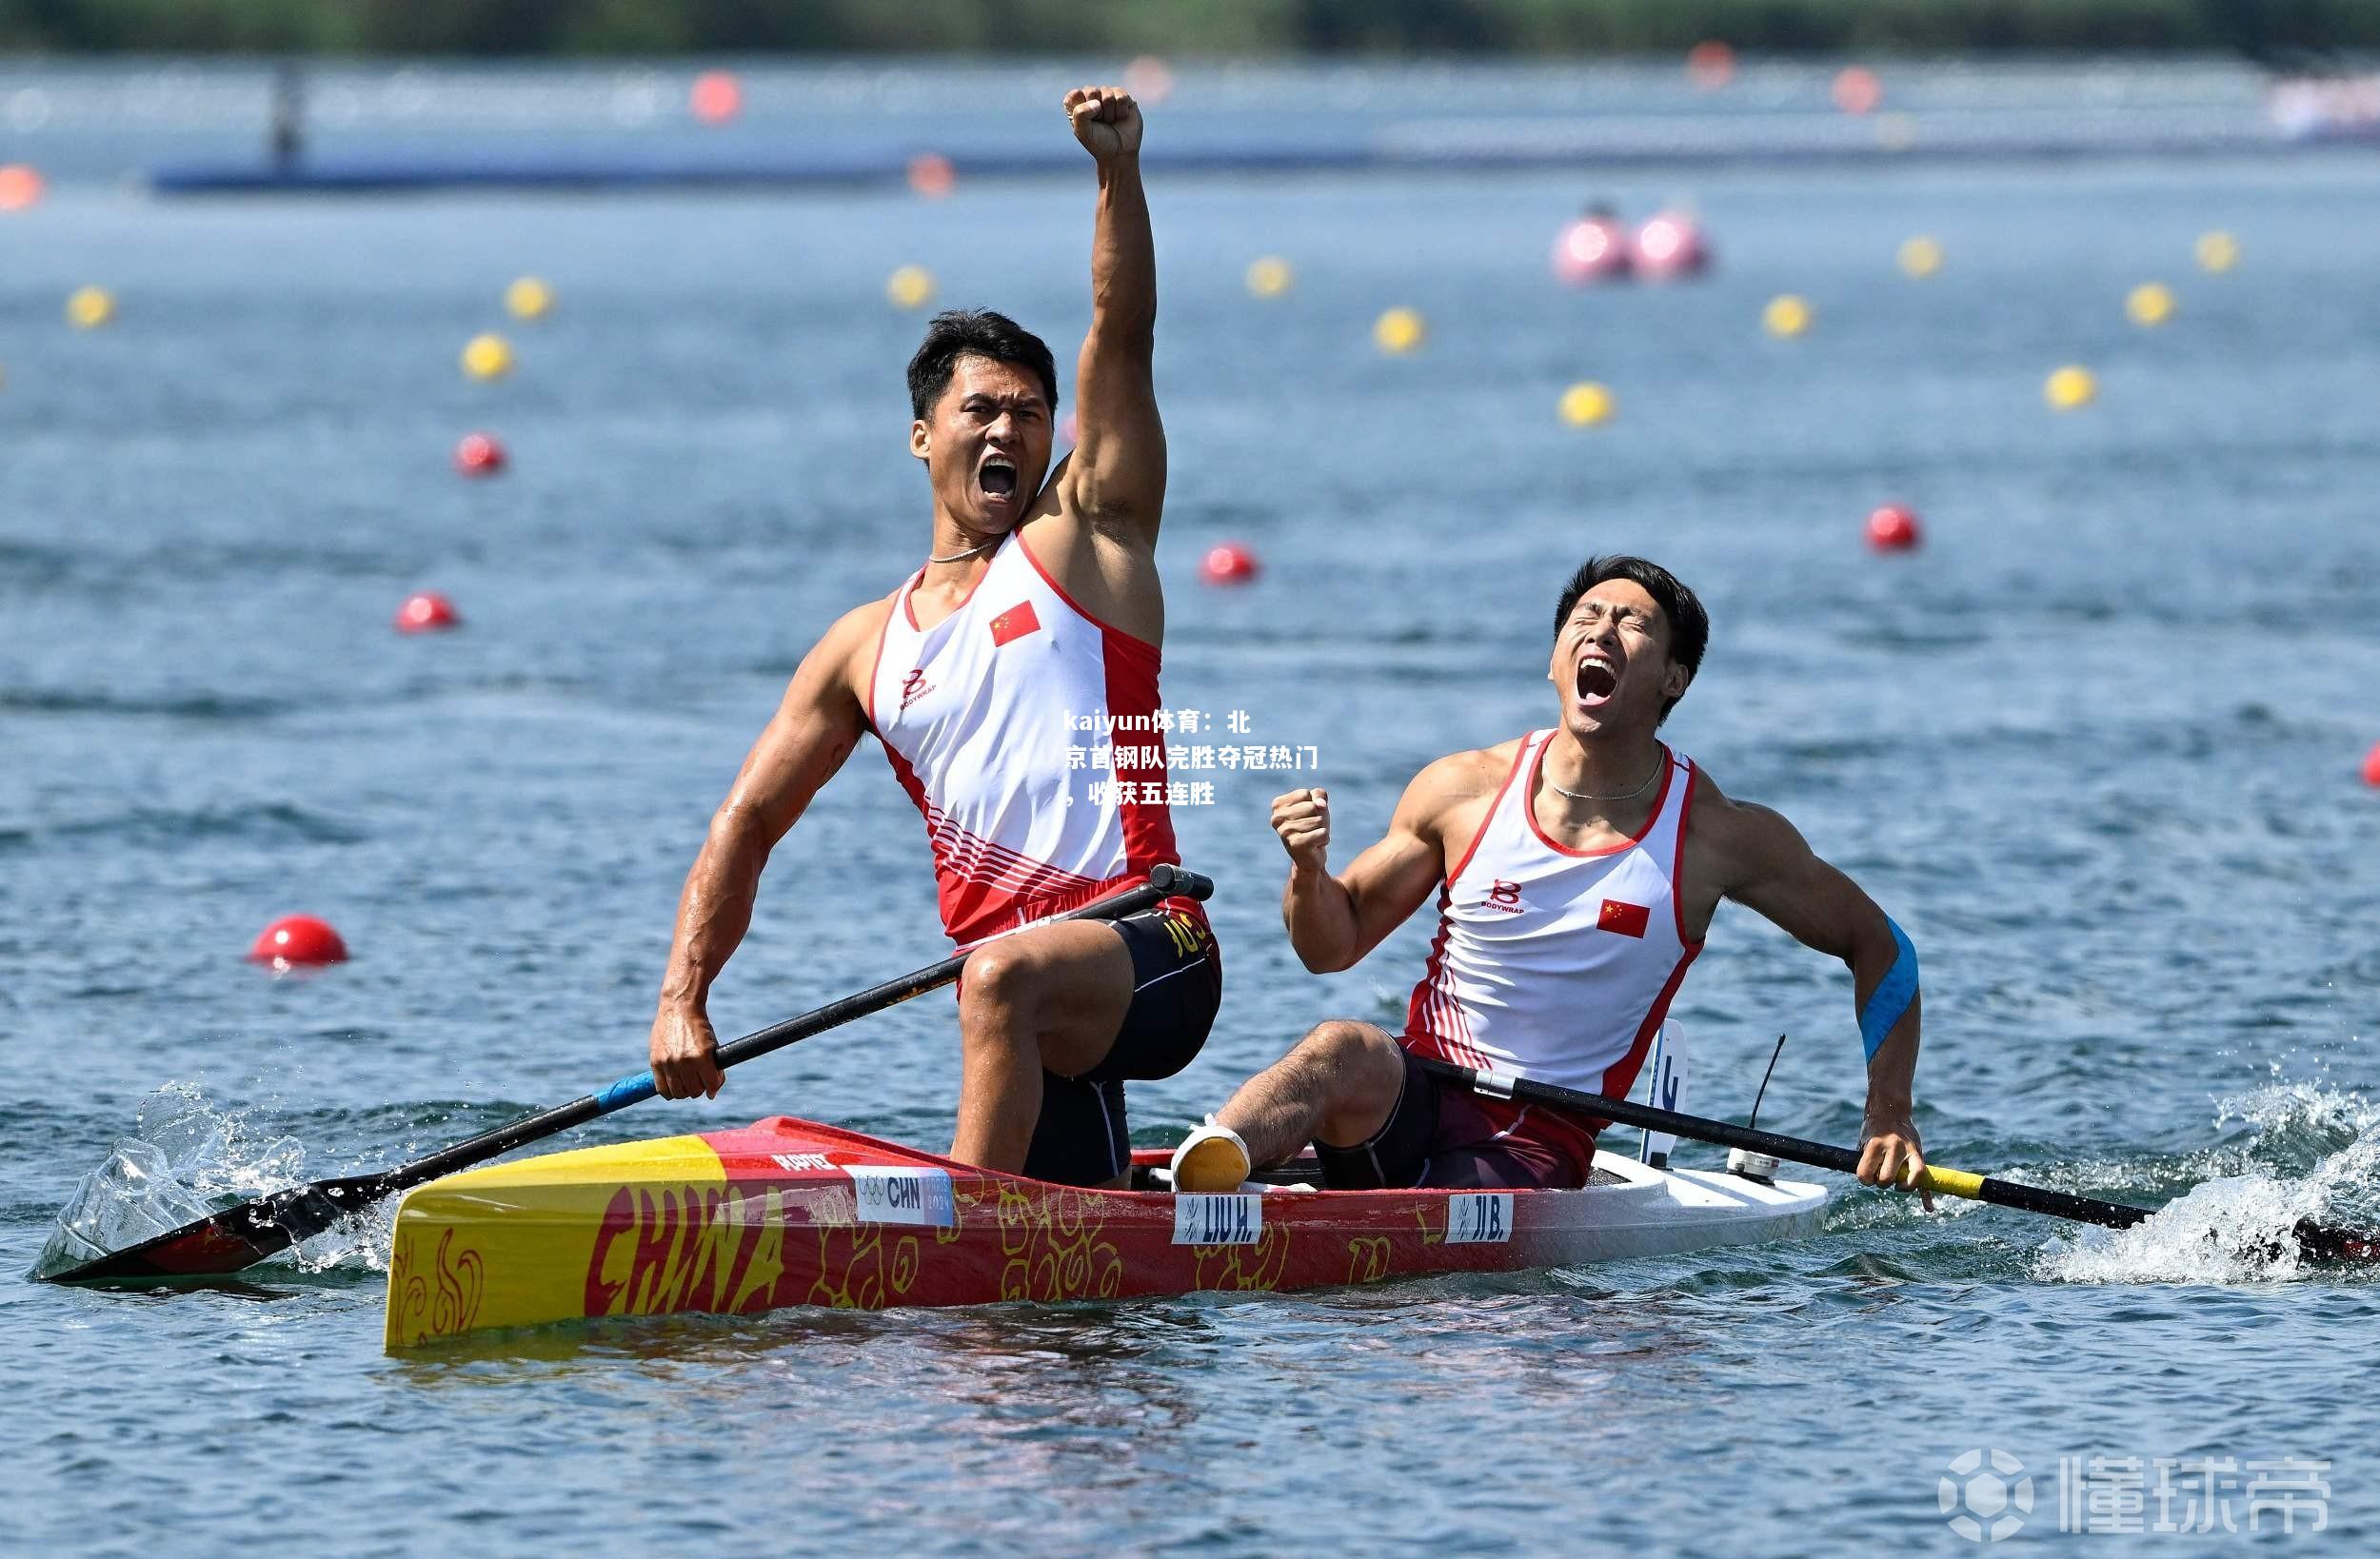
point(1320, 915)
point(1123, 258)
point(1892, 1071)
point(715, 908)
point(1884, 978)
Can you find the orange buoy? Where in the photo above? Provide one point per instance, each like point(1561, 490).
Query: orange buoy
point(717, 97)
point(2371, 765)
point(296, 940)
point(1892, 528)
point(426, 611)
point(1227, 563)
point(479, 455)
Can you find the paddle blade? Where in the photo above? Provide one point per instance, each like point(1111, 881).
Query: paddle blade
point(2320, 1244)
point(236, 1238)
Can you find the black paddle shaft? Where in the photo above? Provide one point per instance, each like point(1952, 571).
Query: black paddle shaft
point(2317, 1242)
point(1793, 1149)
point(242, 1236)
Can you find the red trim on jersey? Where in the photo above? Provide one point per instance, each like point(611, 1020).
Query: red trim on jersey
point(1529, 804)
point(1432, 1011)
point(876, 666)
point(1132, 671)
point(1100, 623)
point(1621, 1075)
point(1520, 754)
point(1678, 865)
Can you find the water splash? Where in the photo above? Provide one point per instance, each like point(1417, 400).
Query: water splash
point(188, 1160)
point(2311, 1154)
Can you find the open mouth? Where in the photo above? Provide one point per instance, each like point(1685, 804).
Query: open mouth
point(998, 478)
point(1597, 682)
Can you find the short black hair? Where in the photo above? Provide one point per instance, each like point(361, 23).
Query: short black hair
point(1689, 624)
point(974, 332)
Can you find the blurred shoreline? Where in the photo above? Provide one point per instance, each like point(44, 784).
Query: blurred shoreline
point(1473, 28)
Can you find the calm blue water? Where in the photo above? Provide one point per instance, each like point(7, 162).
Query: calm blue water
point(2095, 745)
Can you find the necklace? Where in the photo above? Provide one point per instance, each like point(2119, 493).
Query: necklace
point(956, 556)
point(1623, 796)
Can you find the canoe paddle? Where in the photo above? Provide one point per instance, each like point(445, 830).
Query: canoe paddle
point(242, 1236)
point(2315, 1242)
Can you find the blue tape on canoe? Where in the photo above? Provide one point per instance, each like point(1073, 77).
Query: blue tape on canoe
point(1893, 994)
point(626, 1092)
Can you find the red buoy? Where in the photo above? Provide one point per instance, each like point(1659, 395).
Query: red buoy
point(1857, 89)
point(1892, 528)
point(1228, 564)
point(717, 97)
point(1710, 65)
point(1591, 249)
point(1671, 244)
point(426, 611)
point(479, 455)
point(2371, 765)
point(296, 940)
point(931, 175)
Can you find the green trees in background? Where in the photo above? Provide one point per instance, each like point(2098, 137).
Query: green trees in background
point(2272, 30)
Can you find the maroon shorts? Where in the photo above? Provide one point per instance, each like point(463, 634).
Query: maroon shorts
point(1440, 1135)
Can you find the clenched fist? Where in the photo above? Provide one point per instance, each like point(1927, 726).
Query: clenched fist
point(1105, 120)
point(1302, 818)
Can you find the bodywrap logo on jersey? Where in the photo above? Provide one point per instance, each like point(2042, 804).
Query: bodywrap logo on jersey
point(1503, 896)
point(914, 686)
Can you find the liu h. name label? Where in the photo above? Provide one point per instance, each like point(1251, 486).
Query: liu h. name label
point(1231, 1218)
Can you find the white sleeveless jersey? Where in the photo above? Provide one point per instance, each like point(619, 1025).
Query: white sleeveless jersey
point(1553, 963)
point(982, 714)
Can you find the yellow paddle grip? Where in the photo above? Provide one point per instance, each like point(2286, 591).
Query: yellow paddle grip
point(1950, 1183)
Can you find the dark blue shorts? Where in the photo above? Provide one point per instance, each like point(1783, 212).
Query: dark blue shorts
point(1081, 1137)
point(1439, 1134)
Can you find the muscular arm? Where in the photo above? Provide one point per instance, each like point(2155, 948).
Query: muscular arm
point(813, 731)
point(1334, 920)
point(1115, 477)
point(1766, 866)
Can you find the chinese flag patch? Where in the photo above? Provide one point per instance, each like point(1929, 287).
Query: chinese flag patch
point(1015, 622)
point(1628, 919)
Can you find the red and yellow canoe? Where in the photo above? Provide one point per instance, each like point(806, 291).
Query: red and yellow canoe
point(787, 1211)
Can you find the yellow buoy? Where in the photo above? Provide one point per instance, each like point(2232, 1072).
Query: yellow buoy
point(1586, 404)
point(1270, 276)
point(1398, 331)
point(487, 356)
point(2218, 251)
point(2070, 386)
point(1920, 257)
point(90, 307)
point(529, 298)
point(2150, 304)
point(1786, 316)
point(911, 286)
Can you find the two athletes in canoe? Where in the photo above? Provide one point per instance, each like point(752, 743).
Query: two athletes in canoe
point(1576, 868)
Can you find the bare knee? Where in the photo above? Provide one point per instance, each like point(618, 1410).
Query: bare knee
point(998, 989)
point(1360, 1072)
